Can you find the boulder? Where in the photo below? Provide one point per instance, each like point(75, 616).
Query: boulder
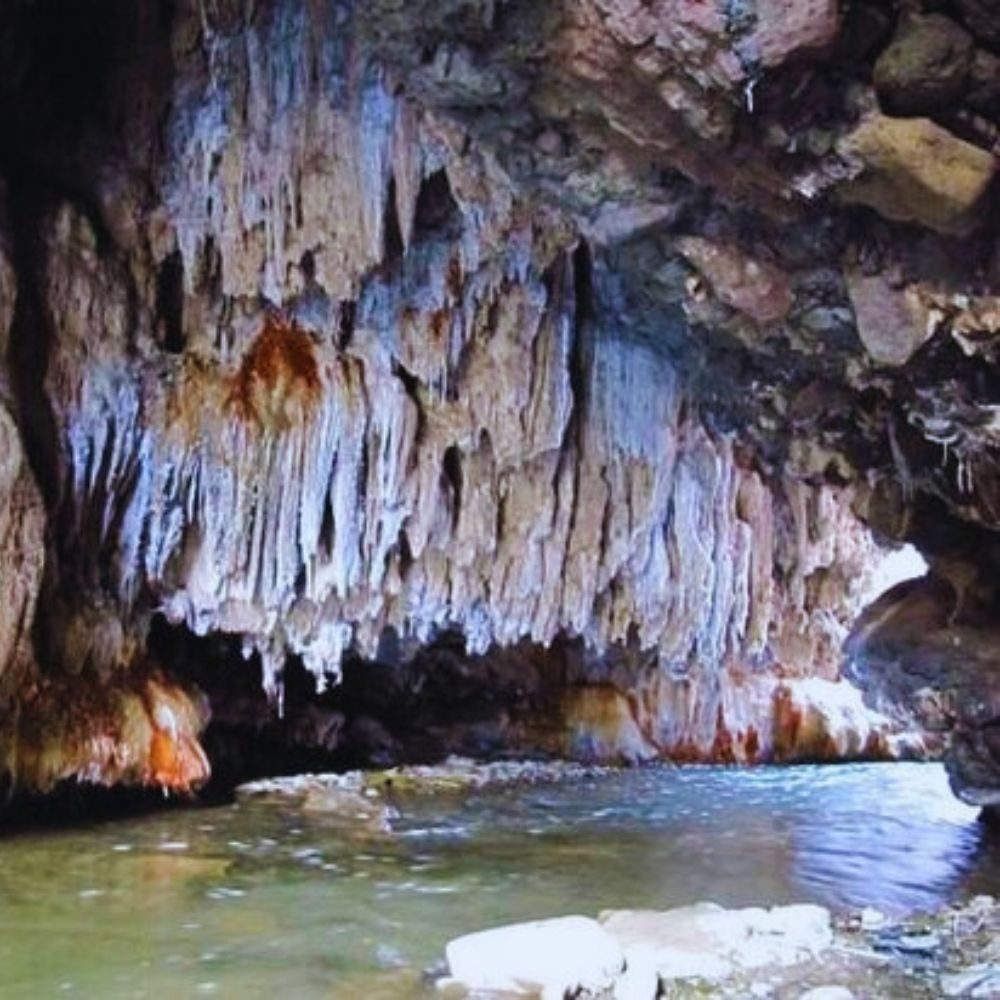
point(786, 29)
point(984, 84)
point(912, 170)
point(550, 957)
point(983, 19)
point(888, 321)
point(706, 941)
point(744, 283)
point(926, 66)
point(932, 644)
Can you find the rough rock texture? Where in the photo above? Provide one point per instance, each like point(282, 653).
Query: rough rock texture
point(926, 66)
point(142, 732)
point(796, 952)
point(342, 326)
point(22, 517)
point(933, 647)
point(915, 171)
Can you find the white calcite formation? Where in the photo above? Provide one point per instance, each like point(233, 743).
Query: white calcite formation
point(488, 463)
point(342, 352)
point(392, 399)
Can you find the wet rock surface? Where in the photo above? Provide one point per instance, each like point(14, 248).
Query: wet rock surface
point(929, 645)
point(792, 951)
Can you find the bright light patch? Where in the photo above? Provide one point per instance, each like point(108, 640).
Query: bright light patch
point(901, 564)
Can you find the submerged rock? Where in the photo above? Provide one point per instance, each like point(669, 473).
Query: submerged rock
point(344, 798)
point(369, 792)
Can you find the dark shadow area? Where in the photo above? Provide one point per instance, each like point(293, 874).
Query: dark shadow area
point(396, 709)
point(73, 805)
point(437, 213)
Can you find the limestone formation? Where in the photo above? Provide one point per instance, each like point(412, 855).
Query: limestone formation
point(349, 331)
point(22, 542)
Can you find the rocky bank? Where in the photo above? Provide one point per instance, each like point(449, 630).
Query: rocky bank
point(795, 952)
point(385, 379)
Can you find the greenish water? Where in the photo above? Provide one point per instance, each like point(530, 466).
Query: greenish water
point(257, 900)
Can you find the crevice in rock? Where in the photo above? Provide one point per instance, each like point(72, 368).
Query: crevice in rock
point(392, 233)
point(345, 324)
point(437, 213)
point(451, 473)
point(170, 303)
point(411, 385)
point(31, 339)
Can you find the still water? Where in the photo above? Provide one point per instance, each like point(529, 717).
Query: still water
point(258, 900)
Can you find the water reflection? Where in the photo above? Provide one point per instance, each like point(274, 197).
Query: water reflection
point(908, 842)
point(260, 900)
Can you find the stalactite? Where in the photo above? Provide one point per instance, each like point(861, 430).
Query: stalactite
point(340, 378)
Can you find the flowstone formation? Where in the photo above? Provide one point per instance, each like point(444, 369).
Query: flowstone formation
point(593, 337)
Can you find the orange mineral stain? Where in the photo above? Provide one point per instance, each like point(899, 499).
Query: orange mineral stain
point(278, 380)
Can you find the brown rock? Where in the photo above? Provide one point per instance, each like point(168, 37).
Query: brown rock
point(984, 83)
point(888, 322)
point(751, 286)
point(789, 28)
point(601, 726)
point(926, 66)
point(916, 171)
point(815, 719)
point(145, 733)
point(22, 554)
point(983, 19)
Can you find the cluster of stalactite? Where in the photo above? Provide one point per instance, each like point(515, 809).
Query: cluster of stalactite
point(307, 362)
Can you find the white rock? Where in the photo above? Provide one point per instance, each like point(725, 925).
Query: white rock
point(640, 981)
point(872, 918)
point(550, 957)
point(828, 993)
point(708, 942)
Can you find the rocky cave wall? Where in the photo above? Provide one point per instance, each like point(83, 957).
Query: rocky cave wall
point(338, 327)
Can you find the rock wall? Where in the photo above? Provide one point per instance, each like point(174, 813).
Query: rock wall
point(345, 325)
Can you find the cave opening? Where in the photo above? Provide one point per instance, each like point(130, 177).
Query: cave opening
point(410, 705)
point(630, 329)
